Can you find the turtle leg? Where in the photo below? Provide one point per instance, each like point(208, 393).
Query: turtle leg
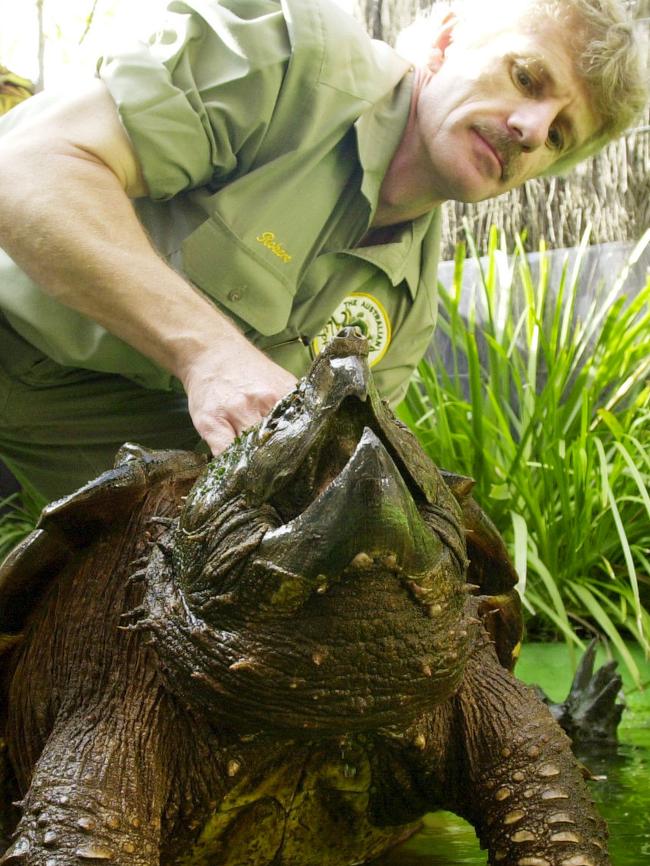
point(521, 786)
point(7, 796)
point(88, 801)
point(106, 759)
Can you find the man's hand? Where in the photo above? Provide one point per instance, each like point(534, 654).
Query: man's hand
point(225, 398)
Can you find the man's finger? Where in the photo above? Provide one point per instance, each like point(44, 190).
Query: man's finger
point(218, 435)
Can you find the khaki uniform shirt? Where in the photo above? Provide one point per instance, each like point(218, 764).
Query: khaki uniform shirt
point(264, 130)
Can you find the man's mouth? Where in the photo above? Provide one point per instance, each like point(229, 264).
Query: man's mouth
point(490, 146)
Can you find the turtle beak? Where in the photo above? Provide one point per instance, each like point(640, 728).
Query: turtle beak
point(328, 475)
point(366, 510)
point(286, 436)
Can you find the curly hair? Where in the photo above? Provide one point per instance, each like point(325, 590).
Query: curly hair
point(612, 61)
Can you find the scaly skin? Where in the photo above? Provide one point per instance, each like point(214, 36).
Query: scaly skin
point(117, 771)
point(115, 761)
point(494, 755)
point(524, 791)
point(67, 819)
point(299, 648)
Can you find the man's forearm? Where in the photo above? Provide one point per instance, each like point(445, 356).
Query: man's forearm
point(66, 219)
point(67, 222)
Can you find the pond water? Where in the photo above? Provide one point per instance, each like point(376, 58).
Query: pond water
point(623, 795)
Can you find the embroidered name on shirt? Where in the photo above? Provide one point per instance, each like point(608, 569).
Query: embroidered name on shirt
point(268, 240)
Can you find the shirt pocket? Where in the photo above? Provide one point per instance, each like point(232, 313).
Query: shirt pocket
point(223, 266)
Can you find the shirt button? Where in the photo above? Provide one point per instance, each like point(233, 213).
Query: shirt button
point(234, 295)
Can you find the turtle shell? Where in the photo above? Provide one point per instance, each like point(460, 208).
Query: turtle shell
point(72, 523)
point(491, 571)
point(64, 529)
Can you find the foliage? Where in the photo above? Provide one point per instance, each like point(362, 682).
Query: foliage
point(18, 515)
point(549, 411)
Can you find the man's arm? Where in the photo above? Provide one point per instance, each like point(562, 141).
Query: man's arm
point(67, 221)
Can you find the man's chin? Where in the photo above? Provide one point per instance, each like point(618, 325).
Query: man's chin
point(473, 186)
point(475, 196)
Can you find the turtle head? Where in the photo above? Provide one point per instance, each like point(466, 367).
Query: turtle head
point(316, 577)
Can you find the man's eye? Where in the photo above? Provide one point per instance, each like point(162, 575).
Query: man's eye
point(523, 78)
point(555, 138)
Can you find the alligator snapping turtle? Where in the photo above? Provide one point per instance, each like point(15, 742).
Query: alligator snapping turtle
point(293, 670)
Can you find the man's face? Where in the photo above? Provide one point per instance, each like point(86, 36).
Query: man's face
point(499, 111)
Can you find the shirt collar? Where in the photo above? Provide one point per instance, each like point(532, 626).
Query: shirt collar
point(379, 131)
point(401, 259)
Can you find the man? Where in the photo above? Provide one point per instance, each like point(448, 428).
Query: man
point(287, 175)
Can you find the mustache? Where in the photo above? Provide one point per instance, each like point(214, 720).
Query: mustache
point(507, 149)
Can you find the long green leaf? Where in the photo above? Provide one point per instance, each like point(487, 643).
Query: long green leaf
point(552, 418)
point(625, 546)
point(610, 630)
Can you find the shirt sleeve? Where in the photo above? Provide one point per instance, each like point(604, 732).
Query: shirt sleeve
point(197, 99)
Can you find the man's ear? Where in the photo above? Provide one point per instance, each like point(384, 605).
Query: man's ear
point(441, 41)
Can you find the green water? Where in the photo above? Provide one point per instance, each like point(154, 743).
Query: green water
point(623, 796)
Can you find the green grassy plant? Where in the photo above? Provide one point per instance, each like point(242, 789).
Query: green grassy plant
point(550, 414)
point(18, 515)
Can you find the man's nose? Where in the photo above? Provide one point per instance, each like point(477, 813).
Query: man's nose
point(530, 123)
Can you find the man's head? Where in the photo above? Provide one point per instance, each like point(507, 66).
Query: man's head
point(514, 89)
point(607, 50)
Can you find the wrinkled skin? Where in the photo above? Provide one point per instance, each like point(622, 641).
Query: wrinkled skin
point(286, 668)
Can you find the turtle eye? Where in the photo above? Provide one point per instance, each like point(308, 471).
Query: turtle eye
point(210, 560)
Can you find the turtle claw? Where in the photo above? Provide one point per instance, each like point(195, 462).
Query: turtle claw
point(591, 712)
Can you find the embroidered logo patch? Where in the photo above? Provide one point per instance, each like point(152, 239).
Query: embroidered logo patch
point(364, 312)
point(267, 239)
